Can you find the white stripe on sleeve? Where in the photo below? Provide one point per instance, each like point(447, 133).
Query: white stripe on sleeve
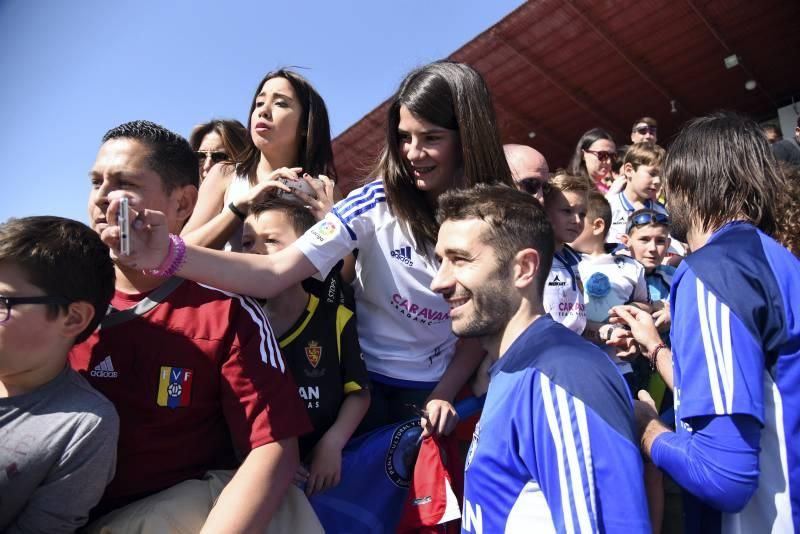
point(549, 409)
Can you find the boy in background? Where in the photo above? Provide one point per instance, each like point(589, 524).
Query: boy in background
point(610, 279)
point(58, 435)
point(320, 344)
point(565, 205)
point(642, 169)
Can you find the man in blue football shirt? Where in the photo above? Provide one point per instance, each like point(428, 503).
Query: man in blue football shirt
point(555, 447)
point(735, 336)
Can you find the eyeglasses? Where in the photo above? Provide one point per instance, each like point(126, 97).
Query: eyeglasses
point(533, 186)
point(648, 217)
point(602, 155)
point(6, 303)
point(216, 156)
point(644, 129)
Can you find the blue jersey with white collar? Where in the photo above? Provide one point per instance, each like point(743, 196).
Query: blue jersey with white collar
point(555, 447)
point(736, 350)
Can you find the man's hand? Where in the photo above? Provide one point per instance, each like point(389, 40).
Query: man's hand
point(440, 419)
point(641, 325)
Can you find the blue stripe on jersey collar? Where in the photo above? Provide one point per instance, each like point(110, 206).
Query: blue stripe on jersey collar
point(629, 207)
point(569, 259)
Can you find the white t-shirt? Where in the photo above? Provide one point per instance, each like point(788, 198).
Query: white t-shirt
point(610, 280)
point(404, 327)
point(237, 188)
point(621, 209)
point(563, 291)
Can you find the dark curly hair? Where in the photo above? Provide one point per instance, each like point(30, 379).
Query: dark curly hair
point(787, 230)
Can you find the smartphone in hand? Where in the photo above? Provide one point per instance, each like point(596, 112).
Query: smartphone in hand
point(124, 227)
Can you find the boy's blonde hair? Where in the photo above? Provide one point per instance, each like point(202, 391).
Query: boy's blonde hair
point(568, 183)
point(649, 154)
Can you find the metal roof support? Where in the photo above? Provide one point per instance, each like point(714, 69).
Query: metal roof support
point(718, 36)
point(607, 122)
point(639, 70)
point(527, 124)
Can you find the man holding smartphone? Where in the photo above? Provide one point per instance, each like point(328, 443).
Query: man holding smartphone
point(195, 374)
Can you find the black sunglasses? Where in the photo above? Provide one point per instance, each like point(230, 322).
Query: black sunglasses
point(603, 155)
point(641, 130)
point(216, 156)
point(533, 186)
point(6, 303)
point(648, 217)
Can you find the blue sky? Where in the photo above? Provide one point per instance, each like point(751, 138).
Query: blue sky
point(73, 69)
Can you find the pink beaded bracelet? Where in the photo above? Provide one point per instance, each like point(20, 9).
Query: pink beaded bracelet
point(176, 255)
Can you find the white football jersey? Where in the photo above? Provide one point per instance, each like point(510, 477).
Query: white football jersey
point(404, 327)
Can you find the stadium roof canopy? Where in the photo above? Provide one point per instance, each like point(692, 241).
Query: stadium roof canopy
point(559, 67)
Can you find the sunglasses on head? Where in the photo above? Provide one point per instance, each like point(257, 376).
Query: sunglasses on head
point(533, 186)
point(216, 156)
point(648, 217)
point(603, 155)
point(643, 129)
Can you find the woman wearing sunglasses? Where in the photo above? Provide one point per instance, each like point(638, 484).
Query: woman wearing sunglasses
point(289, 136)
point(440, 134)
point(217, 141)
point(594, 155)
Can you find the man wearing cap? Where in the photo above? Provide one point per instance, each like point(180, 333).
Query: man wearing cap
point(644, 130)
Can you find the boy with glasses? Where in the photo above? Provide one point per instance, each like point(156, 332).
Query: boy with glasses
point(58, 435)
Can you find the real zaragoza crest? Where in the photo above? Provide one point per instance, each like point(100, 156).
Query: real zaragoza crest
point(313, 353)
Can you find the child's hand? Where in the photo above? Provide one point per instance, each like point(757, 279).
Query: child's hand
point(662, 317)
point(326, 466)
point(440, 418)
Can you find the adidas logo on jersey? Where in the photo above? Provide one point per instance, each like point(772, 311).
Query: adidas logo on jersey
point(104, 369)
point(404, 255)
point(556, 281)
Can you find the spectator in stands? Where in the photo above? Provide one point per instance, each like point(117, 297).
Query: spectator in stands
point(797, 132)
point(528, 169)
point(319, 341)
point(440, 134)
point(555, 449)
point(736, 379)
point(642, 170)
point(644, 130)
point(289, 136)
point(195, 373)
point(772, 132)
point(217, 141)
point(593, 158)
point(565, 205)
point(58, 436)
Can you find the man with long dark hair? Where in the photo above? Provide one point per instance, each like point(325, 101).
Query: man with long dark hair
point(735, 336)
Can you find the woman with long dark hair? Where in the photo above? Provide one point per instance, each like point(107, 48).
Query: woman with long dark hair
point(593, 158)
point(217, 142)
point(440, 134)
point(289, 136)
